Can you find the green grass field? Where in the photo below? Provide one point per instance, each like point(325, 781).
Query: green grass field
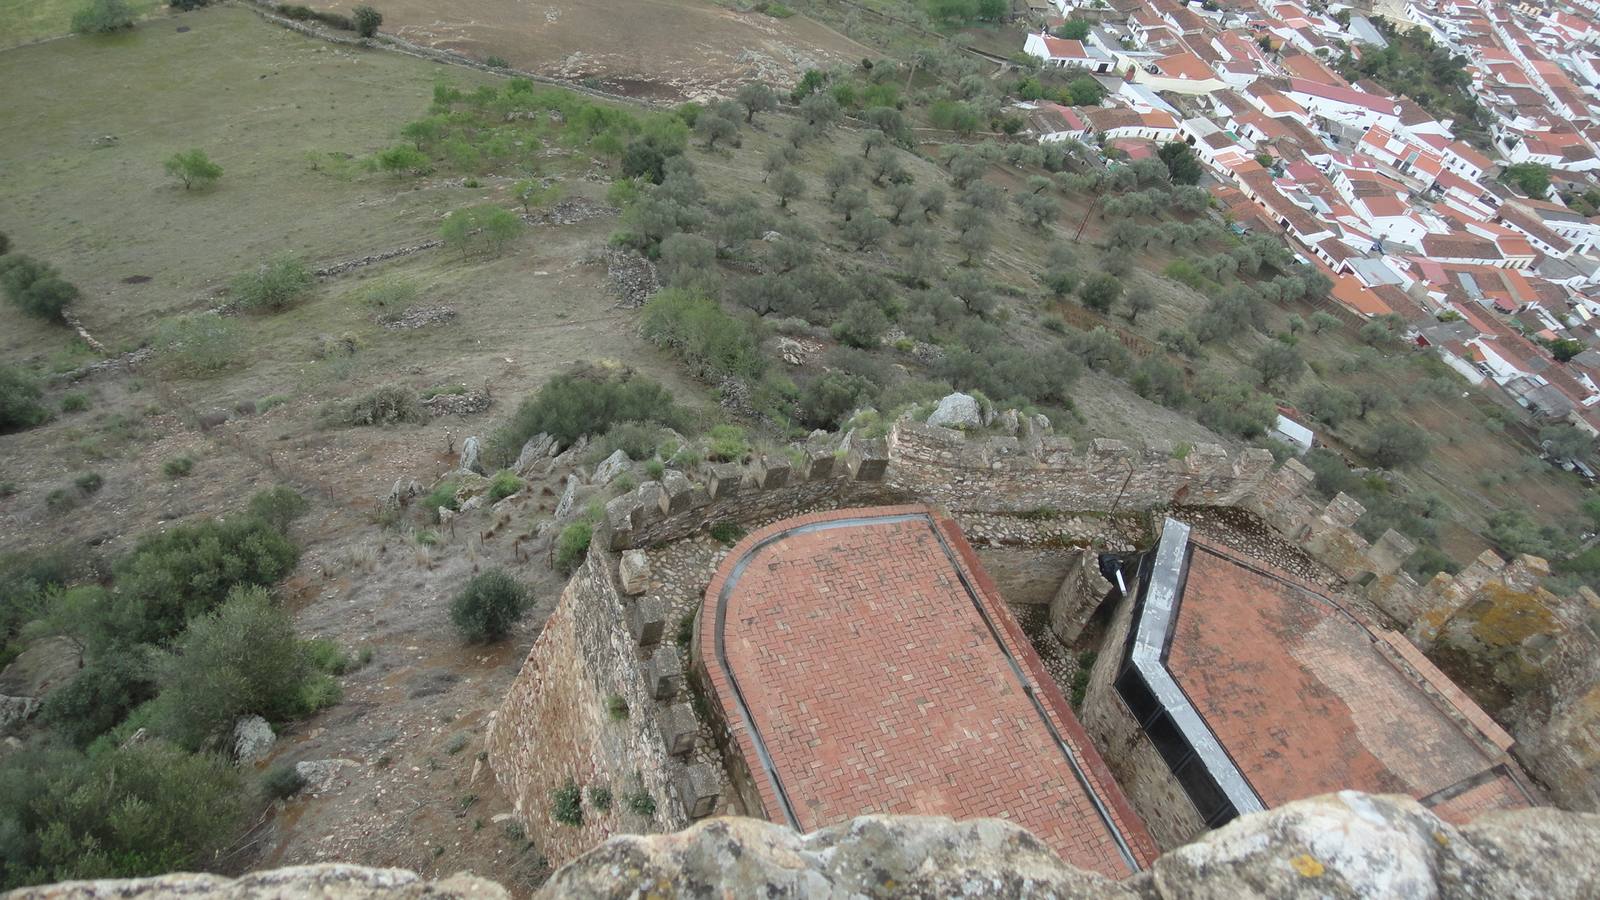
point(23, 21)
point(85, 187)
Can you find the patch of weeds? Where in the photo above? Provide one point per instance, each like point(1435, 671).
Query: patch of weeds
point(438, 851)
point(684, 635)
point(60, 500)
point(727, 533)
point(443, 494)
point(617, 707)
point(497, 62)
point(1080, 678)
point(177, 467)
point(727, 443)
point(640, 802)
point(282, 781)
point(572, 545)
point(271, 402)
point(89, 482)
point(566, 804)
point(327, 656)
point(504, 484)
point(426, 538)
point(363, 657)
point(388, 405)
point(71, 403)
point(448, 390)
point(466, 802)
point(8, 489)
point(655, 468)
point(457, 744)
point(1039, 514)
point(515, 832)
point(1182, 450)
point(600, 797)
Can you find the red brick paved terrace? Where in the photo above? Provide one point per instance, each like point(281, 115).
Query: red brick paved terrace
point(865, 664)
point(1303, 698)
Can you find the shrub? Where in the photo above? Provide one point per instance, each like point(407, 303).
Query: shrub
point(34, 287)
point(480, 229)
point(443, 496)
point(199, 345)
point(584, 401)
point(572, 545)
point(89, 482)
point(388, 405)
point(19, 401)
point(566, 804)
point(274, 285)
point(488, 606)
point(282, 781)
point(1396, 444)
point(1157, 379)
point(696, 330)
point(828, 399)
point(74, 402)
point(1233, 408)
point(102, 17)
point(635, 439)
point(105, 690)
point(366, 21)
point(177, 467)
point(640, 802)
point(60, 500)
point(504, 484)
point(278, 506)
point(243, 658)
point(727, 533)
point(617, 707)
point(727, 443)
point(136, 810)
point(861, 325)
point(600, 797)
point(194, 168)
point(1099, 292)
point(183, 572)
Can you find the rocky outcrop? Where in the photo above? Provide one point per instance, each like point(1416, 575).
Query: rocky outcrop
point(957, 411)
point(1338, 845)
point(252, 739)
point(327, 882)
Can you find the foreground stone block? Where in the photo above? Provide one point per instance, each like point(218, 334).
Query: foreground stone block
point(698, 787)
point(634, 572)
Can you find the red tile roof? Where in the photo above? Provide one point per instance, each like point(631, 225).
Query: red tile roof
point(881, 672)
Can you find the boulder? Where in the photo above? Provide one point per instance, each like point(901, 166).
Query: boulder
point(610, 468)
point(471, 449)
point(320, 775)
point(634, 572)
point(252, 739)
point(539, 448)
point(958, 411)
point(14, 711)
point(569, 497)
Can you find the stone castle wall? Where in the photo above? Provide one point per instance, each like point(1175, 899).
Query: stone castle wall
point(556, 723)
point(602, 641)
point(1138, 767)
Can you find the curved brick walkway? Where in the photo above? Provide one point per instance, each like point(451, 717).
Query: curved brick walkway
point(865, 663)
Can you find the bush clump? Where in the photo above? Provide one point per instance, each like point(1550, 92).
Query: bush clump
point(282, 781)
point(488, 606)
point(572, 545)
point(199, 345)
point(504, 483)
point(102, 17)
point(584, 401)
point(183, 572)
point(566, 804)
point(278, 506)
point(130, 811)
point(696, 330)
point(241, 659)
point(34, 287)
point(388, 405)
point(19, 401)
point(274, 285)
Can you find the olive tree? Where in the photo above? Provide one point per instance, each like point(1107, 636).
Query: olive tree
point(194, 168)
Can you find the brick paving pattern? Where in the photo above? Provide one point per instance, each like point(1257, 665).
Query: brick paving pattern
point(876, 686)
point(1303, 699)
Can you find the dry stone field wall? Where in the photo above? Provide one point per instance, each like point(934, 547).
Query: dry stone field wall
point(607, 646)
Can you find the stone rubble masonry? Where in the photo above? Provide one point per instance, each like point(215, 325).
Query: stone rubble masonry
point(1338, 845)
point(1080, 594)
point(555, 724)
